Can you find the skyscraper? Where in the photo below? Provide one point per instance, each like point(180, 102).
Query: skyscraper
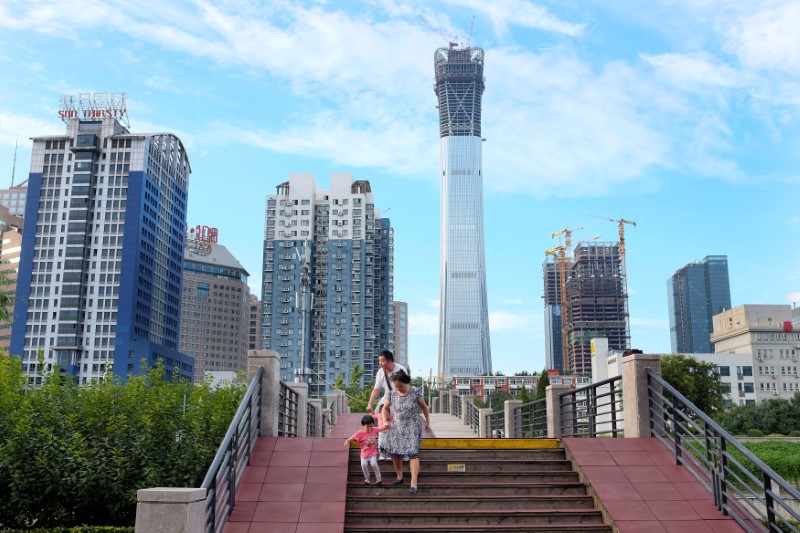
point(696, 293)
point(401, 333)
point(597, 304)
point(464, 346)
point(10, 249)
point(328, 280)
point(554, 350)
point(99, 280)
point(215, 309)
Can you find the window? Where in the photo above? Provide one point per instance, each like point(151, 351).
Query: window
point(724, 370)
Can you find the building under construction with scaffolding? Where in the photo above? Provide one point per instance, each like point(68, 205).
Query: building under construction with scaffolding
point(596, 304)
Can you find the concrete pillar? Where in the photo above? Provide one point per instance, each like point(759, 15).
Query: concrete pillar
point(302, 407)
point(634, 392)
point(344, 405)
point(554, 409)
point(270, 387)
point(465, 400)
point(316, 405)
point(326, 422)
point(170, 510)
point(509, 407)
point(483, 427)
point(436, 405)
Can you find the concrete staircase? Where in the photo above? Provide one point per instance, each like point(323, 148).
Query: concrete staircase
point(468, 485)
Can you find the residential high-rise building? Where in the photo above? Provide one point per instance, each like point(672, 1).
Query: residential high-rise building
point(596, 304)
point(253, 323)
point(696, 293)
point(10, 249)
point(464, 346)
point(328, 280)
point(215, 310)
point(99, 281)
point(401, 333)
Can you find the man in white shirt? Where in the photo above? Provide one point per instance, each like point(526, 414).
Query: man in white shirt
point(383, 379)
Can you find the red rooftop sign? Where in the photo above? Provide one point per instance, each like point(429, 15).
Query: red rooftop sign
point(94, 105)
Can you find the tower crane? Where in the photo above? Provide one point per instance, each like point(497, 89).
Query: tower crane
point(567, 233)
point(450, 42)
point(621, 223)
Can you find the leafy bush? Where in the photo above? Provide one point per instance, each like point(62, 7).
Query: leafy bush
point(770, 416)
point(73, 455)
point(795, 433)
point(781, 456)
point(755, 433)
point(776, 435)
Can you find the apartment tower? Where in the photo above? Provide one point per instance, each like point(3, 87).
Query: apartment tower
point(696, 293)
point(464, 346)
point(99, 279)
point(328, 280)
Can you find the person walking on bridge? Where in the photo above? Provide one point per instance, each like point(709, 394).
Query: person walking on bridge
point(383, 381)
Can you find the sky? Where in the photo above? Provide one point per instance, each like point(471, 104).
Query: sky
point(682, 116)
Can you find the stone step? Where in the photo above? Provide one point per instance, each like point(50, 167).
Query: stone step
point(479, 517)
point(463, 455)
point(469, 477)
point(486, 501)
point(479, 465)
point(435, 487)
point(445, 528)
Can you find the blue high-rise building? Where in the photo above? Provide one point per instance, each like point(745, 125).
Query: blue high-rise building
point(464, 347)
point(99, 282)
point(328, 280)
point(696, 293)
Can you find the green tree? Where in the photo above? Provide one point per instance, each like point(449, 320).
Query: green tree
point(522, 373)
point(541, 386)
point(769, 416)
point(497, 400)
point(698, 381)
point(524, 396)
point(6, 300)
point(357, 396)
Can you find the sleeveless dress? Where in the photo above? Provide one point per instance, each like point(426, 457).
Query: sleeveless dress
point(404, 437)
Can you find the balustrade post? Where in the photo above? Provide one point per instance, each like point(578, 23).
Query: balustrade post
point(182, 510)
point(634, 392)
point(465, 400)
point(509, 410)
point(316, 404)
point(484, 428)
point(553, 401)
point(326, 422)
point(342, 403)
point(302, 407)
point(270, 387)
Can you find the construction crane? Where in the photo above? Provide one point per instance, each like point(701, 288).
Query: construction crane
point(450, 42)
point(567, 233)
point(469, 35)
point(621, 223)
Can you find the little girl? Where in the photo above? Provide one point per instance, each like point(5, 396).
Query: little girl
point(367, 437)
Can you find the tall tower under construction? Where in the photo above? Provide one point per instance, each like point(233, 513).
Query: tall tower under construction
point(464, 346)
point(597, 303)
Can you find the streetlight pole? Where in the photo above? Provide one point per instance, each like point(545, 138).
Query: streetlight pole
point(302, 306)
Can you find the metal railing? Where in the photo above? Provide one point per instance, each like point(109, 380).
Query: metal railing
point(455, 408)
point(530, 419)
point(473, 417)
point(233, 455)
point(496, 423)
point(445, 402)
point(593, 410)
point(742, 485)
point(287, 410)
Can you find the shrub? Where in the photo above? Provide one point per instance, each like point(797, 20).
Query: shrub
point(795, 433)
point(755, 433)
point(72, 455)
point(776, 435)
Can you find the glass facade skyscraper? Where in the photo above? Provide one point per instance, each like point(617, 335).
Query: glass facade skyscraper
point(464, 346)
point(696, 293)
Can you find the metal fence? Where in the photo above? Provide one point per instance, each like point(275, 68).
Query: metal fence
point(593, 410)
point(227, 469)
point(473, 417)
point(455, 408)
point(530, 419)
point(287, 410)
point(742, 485)
point(311, 420)
point(496, 423)
point(445, 403)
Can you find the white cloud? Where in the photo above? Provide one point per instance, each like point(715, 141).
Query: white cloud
point(13, 125)
point(520, 13)
point(793, 297)
point(503, 320)
point(764, 36)
point(423, 324)
point(689, 70)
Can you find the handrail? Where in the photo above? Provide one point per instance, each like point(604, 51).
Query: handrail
point(287, 410)
point(592, 410)
point(445, 403)
point(456, 407)
point(311, 420)
point(227, 468)
point(704, 448)
point(473, 417)
point(530, 419)
point(496, 423)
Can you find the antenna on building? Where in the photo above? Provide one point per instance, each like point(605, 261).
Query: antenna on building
point(14, 167)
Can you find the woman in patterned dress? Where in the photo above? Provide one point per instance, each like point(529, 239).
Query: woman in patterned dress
point(404, 436)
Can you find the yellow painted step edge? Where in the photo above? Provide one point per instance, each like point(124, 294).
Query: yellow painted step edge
point(496, 444)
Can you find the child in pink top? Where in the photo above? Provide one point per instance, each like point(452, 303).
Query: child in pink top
point(367, 438)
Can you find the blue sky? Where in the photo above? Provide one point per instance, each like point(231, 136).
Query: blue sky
point(682, 115)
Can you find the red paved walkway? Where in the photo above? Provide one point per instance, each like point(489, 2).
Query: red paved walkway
point(642, 488)
point(297, 485)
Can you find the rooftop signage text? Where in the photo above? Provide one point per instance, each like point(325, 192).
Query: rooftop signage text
point(94, 105)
